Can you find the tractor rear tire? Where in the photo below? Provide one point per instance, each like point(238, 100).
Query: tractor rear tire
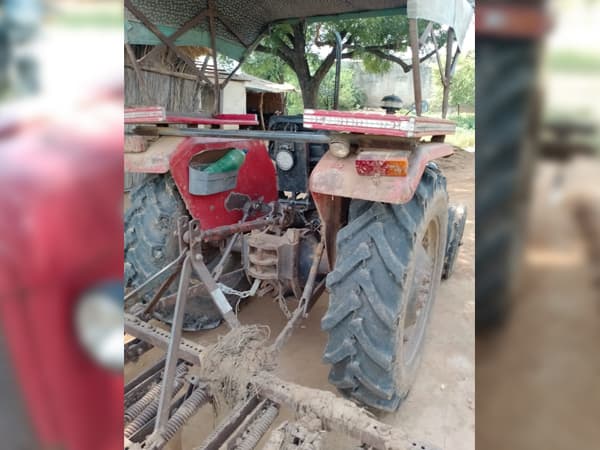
point(457, 218)
point(388, 268)
point(151, 243)
point(150, 225)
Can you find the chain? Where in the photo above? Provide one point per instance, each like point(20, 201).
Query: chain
point(282, 302)
point(241, 294)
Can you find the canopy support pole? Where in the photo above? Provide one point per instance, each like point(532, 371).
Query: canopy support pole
point(180, 32)
point(416, 64)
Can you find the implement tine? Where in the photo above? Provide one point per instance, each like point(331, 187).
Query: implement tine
point(173, 265)
point(220, 435)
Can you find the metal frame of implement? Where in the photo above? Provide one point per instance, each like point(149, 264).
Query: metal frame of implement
point(163, 410)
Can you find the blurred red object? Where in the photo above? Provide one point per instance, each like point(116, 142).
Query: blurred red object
point(61, 228)
point(527, 20)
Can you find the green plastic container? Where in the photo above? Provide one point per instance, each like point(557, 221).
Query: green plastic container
point(232, 160)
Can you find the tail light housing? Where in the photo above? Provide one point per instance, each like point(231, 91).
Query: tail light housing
point(385, 163)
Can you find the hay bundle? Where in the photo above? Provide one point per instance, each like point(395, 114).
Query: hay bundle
point(229, 365)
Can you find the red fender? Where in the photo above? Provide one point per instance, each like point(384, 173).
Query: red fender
point(256, 177)
point(335, 179)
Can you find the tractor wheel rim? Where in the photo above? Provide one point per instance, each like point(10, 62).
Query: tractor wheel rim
point(421, 293)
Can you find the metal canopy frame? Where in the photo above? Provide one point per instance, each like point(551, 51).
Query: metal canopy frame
point(169, 41)
point(243, 23)
point(210, 14)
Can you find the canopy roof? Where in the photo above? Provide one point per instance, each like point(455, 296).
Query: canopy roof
point(240, 22)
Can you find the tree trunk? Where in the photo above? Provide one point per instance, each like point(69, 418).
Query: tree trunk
point(310, 84)
point(310, 92)
point(295, 58)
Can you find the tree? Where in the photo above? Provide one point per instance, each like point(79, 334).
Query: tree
point(462, 90)
point(463, 83)
point(310, 52)
point(266, 66)
point(289, 43)
point(351, 97)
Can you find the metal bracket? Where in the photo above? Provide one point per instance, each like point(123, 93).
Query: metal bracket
point(197, 262)
point(183, 225)
point(216, 293)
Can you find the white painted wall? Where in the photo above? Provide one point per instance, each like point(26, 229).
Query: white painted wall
point(377, 86)
point(234, 98)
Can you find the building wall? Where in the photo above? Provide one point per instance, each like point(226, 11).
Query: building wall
point(233, 98)
point(377, 86)
point(183, 95)
point(174, 93)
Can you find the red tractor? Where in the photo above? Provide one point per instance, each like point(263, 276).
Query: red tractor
point(61, 289)
point(351, 202)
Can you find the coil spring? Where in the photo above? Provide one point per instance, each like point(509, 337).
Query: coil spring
point(219, 429)
point(150, 411)
point(145, 416)
point(138, 407)
point(258, 428)
point(198, 398)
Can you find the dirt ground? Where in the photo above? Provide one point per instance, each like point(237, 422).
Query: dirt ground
point(538, 378)
point(440, 409)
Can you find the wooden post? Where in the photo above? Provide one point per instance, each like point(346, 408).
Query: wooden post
point(213, 44)
point(416, 65)
point(261, 111)
point(447, 74)
point(138, 71)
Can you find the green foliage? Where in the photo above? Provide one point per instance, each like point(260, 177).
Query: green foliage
point(374, 37)
point(573, 61)
point(462, 89)
point(462, 138)
point(268, 67)
point(293, 103)
point(309, 50)
point(464, 121)
point(351, 97)
point(271, 68)
point(374, 64)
